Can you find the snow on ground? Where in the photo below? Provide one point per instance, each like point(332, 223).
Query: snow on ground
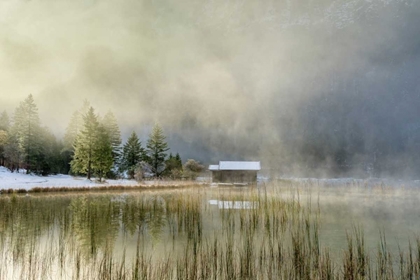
point(20, 180)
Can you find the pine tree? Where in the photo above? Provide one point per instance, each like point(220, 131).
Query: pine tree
point(111, 127)
point(173, 166)
point(85, 144)
point(156, 148)
point(69, 140)
point(26, 128)
point(3, 141)
point(51, 159)
point(75, 126)
point(178, 161)
point(12, 153)
point(41, 164)
point(92, 148)
point(132, 155)
point(4, 128)
point(72, 130)
point(4, 121)
point(102, 156)
point(60, 160)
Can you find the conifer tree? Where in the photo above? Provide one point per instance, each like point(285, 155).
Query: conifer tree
point(111, 127)
point(3, 142)
point(12, 153)
point(73, 129)
point(41, 164)
point(173, 166)
point(178, 161)
point(75, 126)
point(26, 128)
point(85, 144)
point(4, 121)
point(92, 148)
point(156, 150)
point(103, 157)
point(132, 155)
point(51, 159)
point(4, 127)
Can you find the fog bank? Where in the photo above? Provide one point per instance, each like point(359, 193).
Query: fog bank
point(310, 88)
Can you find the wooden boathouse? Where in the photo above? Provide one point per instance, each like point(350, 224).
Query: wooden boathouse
point(239, 172)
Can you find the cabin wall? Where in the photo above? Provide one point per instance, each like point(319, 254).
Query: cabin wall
point(234, 176)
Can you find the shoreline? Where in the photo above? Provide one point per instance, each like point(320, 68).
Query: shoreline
point(84, 189)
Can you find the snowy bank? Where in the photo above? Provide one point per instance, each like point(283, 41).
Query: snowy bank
point(15, 180)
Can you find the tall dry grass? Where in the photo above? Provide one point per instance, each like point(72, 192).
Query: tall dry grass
point(179, 235)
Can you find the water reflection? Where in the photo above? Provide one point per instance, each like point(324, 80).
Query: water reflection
point(234, 204)
point(95, 222)
point(182, 233)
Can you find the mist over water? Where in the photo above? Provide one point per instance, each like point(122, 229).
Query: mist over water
point(310, 88)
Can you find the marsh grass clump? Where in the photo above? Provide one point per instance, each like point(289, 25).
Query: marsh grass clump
point(177, 234)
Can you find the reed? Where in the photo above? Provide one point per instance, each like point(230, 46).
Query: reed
point(176, 234)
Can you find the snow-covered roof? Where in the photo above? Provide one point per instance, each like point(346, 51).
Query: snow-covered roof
point(239, 165)
point(236, 165)
point(213, 167)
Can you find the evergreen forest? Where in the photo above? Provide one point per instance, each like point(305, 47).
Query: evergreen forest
point(92, 146)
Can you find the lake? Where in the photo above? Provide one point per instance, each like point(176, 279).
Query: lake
point(285, 230)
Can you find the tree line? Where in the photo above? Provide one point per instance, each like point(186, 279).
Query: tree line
point(92, 146)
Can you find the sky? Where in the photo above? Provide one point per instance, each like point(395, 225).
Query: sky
point(308, 87)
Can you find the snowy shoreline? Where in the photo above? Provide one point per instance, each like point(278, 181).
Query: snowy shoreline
point(16, 180)
point(28, 182)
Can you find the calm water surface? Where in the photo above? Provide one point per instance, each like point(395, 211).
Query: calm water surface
point(51, 235)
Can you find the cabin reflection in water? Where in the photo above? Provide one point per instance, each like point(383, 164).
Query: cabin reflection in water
point(235, 172)
point(234, 204)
